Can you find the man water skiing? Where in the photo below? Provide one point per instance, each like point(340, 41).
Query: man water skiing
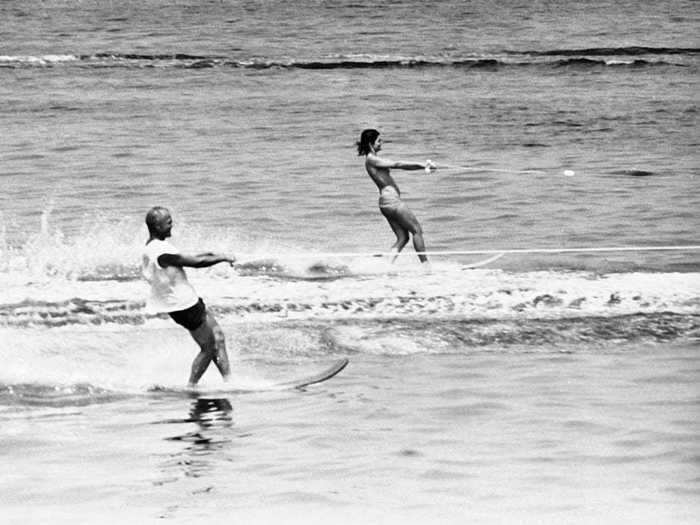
point(163, 267)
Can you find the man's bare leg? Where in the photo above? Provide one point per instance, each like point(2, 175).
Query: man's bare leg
point(221, 356)
point(211, 341)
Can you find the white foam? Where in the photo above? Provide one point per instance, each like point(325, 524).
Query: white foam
point(38, 60)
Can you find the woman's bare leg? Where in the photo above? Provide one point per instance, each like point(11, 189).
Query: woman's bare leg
point(399, 231)
point(408, 221)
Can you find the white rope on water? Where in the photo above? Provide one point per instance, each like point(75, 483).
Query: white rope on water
point(520, 251)
point(490, 170)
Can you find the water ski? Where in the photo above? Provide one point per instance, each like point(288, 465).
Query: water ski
point(329, 372)
point(302, 382)
point(477, 264)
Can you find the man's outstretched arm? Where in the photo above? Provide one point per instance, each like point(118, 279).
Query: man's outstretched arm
point(201, 260)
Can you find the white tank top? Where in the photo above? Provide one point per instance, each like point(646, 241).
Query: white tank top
point(170, 289)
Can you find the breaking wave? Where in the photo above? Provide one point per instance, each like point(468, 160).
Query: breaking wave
point(636, 57)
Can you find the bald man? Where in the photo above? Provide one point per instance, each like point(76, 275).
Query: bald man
point(163, 267)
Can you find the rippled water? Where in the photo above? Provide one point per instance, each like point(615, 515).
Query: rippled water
point(547, 386)
point(494, 436)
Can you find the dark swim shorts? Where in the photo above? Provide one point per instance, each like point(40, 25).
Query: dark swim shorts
point(192, 317)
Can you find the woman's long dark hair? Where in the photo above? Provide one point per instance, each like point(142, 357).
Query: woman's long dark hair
point(367, 138)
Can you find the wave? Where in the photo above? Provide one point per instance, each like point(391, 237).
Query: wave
point(613, 51)
point(464, 335)
point(52, 282)
point(584, 62)
point(75, 311)
point(634, 173)
point(476, 294)
point(584, 58)
point(55, 395)
point(80, 368)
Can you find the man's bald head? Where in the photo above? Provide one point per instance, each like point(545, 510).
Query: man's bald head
point(158, 221)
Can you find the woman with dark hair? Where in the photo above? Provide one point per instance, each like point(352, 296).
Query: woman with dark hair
point(400, 218)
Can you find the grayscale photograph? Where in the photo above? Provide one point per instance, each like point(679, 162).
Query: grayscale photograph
point(348, 262)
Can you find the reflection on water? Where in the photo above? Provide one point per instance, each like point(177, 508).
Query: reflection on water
point(210, 415)
point(213, 421)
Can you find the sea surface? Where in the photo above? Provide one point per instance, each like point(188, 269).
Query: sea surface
point(556, 384)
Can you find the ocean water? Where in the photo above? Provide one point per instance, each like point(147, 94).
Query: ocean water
point(556, 384)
